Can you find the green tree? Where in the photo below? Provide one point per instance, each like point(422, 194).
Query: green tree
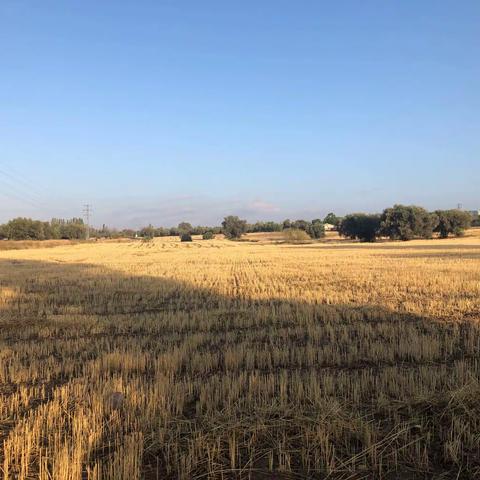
point(73, 231)
point(402, 222)
point(332, 219)
point(360, 226)
point(185, 227)
point(24, 229)
point(185, 237)
point(233, 227)
point(300, 225)
point(452, 222)
point(266, 227)
point(316, 229)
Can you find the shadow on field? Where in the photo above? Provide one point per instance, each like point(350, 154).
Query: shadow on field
point(259, 376)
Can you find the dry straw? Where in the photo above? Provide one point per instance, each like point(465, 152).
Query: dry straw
point(221, 360)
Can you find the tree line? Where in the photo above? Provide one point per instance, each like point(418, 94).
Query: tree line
point(400, 222)
point(27, 229)
point(404, 222)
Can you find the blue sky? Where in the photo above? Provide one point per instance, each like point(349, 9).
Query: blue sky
point(162, 111)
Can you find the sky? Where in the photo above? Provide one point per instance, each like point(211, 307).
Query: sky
point(167, 111)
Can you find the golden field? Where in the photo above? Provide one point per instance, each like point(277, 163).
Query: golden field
point(219, 360)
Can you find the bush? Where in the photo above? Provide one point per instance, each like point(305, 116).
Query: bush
point(185, 237)
point(403, 222)
point(233, 227)
point(209, 235)
point(360, 226)
point(452, 222)
point(295, 235)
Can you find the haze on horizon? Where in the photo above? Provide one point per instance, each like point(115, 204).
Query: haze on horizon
point(156, 112)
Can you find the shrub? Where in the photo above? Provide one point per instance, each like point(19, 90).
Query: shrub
point(209, 235)
point(360, 226)
point(185, 237)
point(295, 235)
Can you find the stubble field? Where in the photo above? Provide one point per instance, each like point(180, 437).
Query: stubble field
point(222, 360)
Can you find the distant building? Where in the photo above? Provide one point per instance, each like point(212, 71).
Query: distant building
point(329, 227)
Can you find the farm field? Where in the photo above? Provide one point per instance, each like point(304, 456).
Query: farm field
point(220, 360)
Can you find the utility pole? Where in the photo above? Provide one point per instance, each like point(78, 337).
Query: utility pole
point(87, 210)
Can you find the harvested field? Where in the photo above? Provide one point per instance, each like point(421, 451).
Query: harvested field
point(221, 360)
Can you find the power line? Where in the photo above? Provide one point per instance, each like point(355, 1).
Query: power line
point(21, 195)
point(17, 195)
point(20, 188)
point(19, 179)
point(87, 211)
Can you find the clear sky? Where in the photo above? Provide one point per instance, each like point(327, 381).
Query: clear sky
point(162, 111)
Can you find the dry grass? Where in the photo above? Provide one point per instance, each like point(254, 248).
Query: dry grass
point(26, 244)
point(223, 360)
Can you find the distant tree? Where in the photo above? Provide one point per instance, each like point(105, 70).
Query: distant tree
point(147, 232)
point(332, 219)
point(24, 229)
point(48, 231)
point(208, 235)
point(127, 233)
point(300, 225)
point(3, 232)
point(162, 232)
point(185, 237)
point(265, 227)
point(233, 227)
point(452, 222)
point(185, 227)
point(286, 224)
point(316, 229)
point(403, 222)
point(360, 226)
point(199, 230)
point(73, 231)
point(294, 235)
